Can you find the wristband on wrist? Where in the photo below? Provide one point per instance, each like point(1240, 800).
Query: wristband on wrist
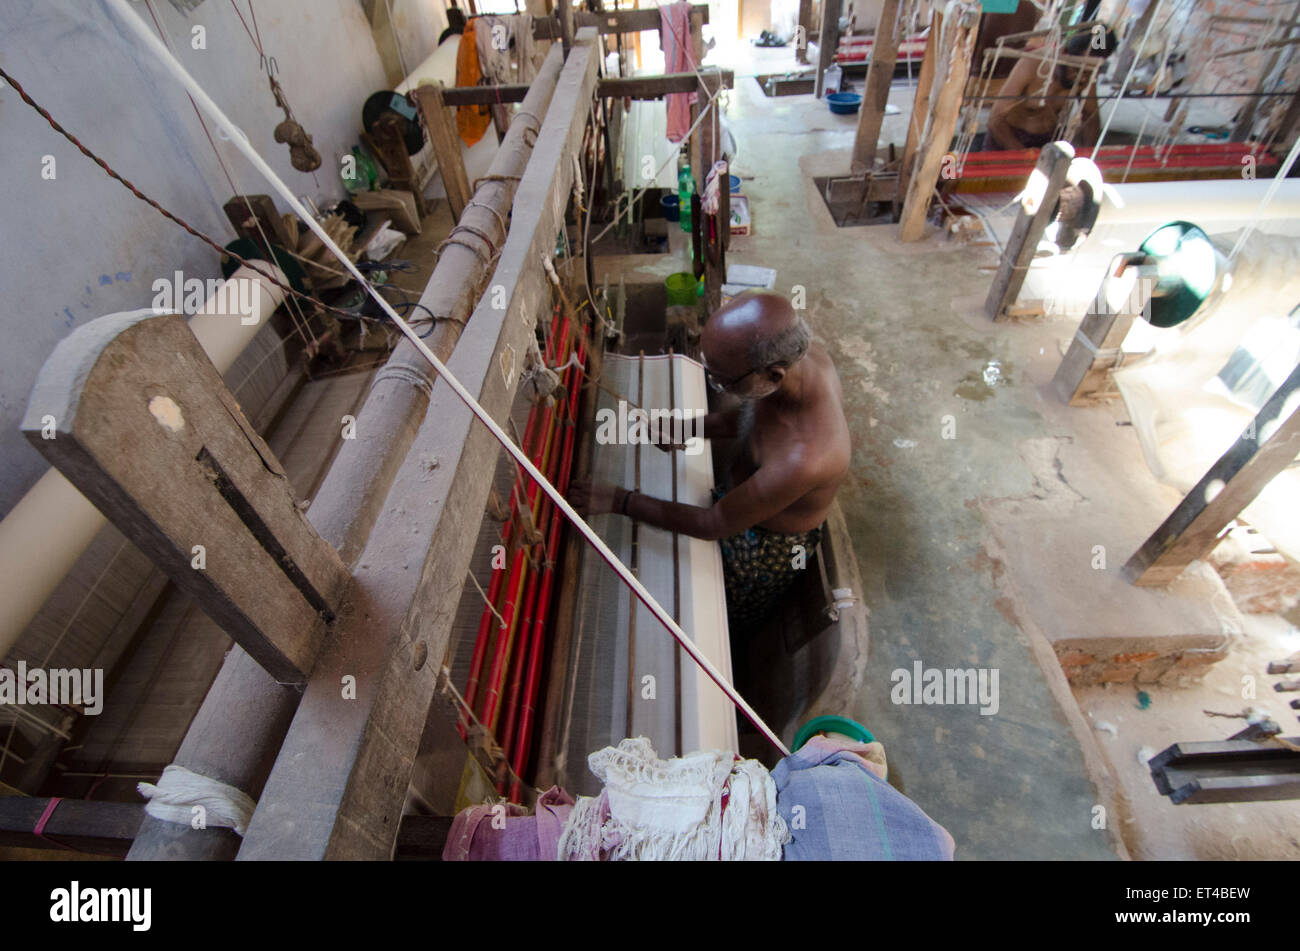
point(627, 497)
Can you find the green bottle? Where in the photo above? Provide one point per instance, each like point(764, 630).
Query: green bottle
point(685, 188)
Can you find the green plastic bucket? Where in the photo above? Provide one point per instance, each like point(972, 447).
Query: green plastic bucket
point(682, 289)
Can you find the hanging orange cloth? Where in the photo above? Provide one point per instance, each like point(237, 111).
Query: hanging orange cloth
point(471, 121)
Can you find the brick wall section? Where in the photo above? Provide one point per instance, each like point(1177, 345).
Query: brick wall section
point(1170, 668)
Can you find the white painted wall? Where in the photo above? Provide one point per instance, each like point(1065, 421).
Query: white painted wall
point(80, 245)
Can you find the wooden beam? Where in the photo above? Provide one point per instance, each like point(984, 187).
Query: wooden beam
point(97, 827)
point(632, 87)
point(441, 123)
point(145, 427)
point(1084, 375)
point(338, 785)
point(616, 21)
point(880, 73)
point(827, 40)
point(1053, 165)
point(1269, 444)
point(920, 106)
point(950, 75)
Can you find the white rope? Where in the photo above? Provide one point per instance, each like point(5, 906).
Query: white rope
point(174, 66)
point(190, 799)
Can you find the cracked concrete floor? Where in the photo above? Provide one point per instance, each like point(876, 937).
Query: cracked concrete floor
point(1015, 784)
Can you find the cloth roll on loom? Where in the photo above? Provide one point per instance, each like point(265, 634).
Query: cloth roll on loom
point(623, 675)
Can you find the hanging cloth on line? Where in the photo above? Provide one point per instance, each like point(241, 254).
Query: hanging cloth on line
point(471, 121)
point(675, 41)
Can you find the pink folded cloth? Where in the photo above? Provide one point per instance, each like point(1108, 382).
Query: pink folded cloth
point(675, 40)
point(508, 833)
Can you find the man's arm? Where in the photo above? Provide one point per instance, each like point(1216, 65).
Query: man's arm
point(768, 492)
point(724, 424)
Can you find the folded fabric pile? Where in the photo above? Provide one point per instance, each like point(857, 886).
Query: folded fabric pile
point(833, 794)
point(706, 806)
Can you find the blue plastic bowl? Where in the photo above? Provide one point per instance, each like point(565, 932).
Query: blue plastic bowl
point(734, 181)
point(671, 205)
point(844, 103)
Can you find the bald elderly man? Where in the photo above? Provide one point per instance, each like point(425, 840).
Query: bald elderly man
point(787, 417)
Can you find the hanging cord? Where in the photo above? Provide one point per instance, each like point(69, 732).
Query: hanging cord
point(157, 207)
point(302, 324)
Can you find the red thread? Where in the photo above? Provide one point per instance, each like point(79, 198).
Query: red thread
point(39, 830)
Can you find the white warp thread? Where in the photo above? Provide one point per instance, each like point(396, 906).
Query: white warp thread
point(179, 790)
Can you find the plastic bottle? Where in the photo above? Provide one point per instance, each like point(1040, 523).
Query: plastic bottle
point(685, 188)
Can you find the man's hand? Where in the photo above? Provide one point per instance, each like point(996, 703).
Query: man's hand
point(593, 498)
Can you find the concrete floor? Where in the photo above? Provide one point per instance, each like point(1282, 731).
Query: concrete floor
point(1010, 785)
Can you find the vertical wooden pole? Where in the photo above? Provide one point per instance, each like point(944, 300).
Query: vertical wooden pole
point(880, 73)
point(1053, 165)
point(440, 121)
point(565, 13)
point(951, 75)
point(1269, 445)
point(801, 32)
point(827, 41)
point(920, 105)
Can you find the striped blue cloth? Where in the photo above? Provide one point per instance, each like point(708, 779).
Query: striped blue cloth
point(837, 809)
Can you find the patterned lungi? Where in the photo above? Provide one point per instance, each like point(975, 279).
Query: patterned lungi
point(759, 566)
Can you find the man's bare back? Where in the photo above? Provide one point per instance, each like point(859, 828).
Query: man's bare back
point(811, 435)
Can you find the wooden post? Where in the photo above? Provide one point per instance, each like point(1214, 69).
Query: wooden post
point(827, 41)
point(920, 105)
point(1053, 165)
point(880, 73)
point(441, 123)
point(709, 135)
point(801, 32)
point(139, 420)
point(1084, 374)
point(1269, 444)
point(338, 785)
point(564, 11)
point(950, 74)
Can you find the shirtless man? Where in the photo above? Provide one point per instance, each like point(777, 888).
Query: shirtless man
point(794, 453)
point(1030, 123)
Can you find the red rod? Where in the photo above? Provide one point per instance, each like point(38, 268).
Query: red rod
point(519, 759)
point(511, 613)
point(494, 585)
point(548, 517)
